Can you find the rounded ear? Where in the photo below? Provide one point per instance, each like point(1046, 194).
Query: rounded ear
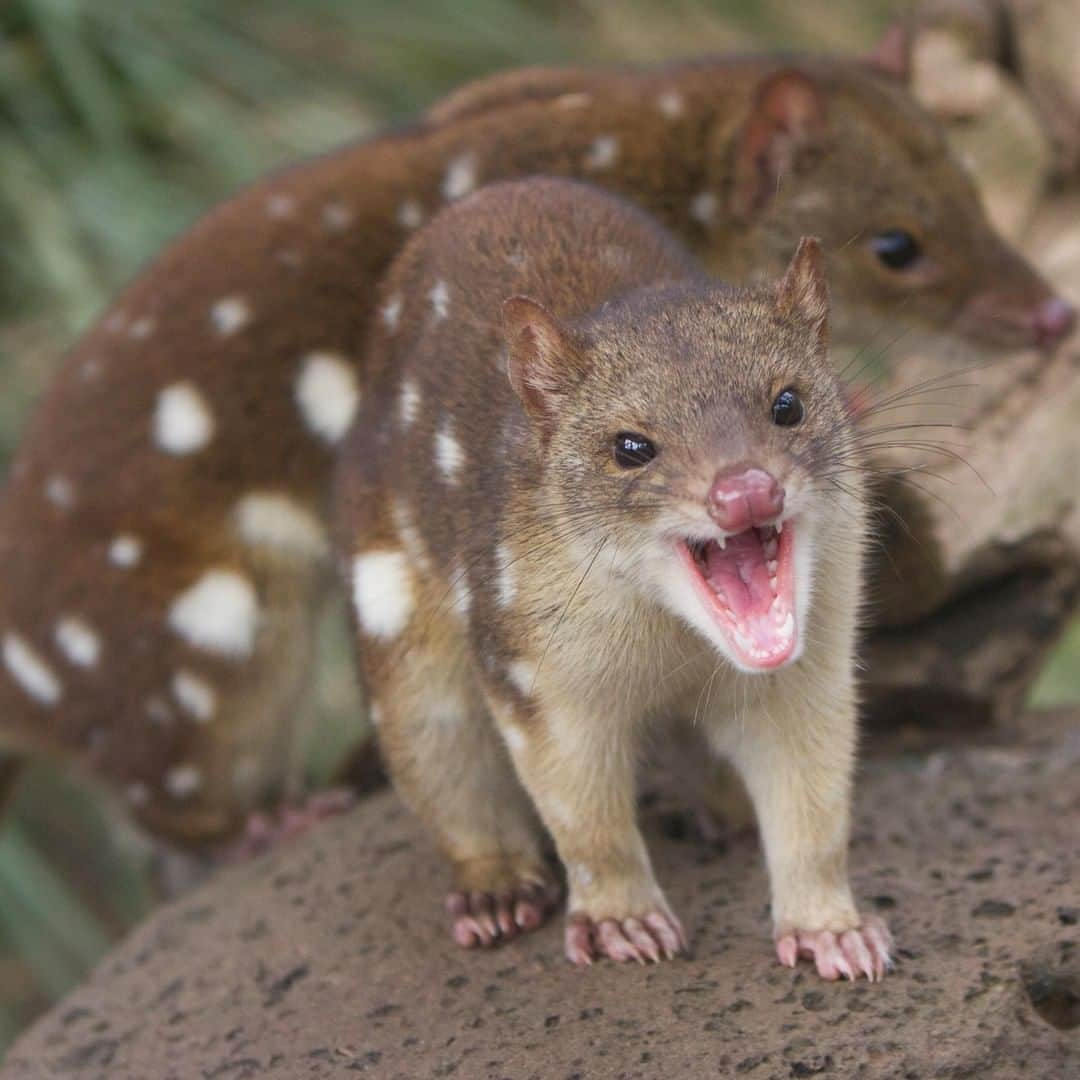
point(542, 362)
point(786, 118)
point(892, 54)
point(803, 292)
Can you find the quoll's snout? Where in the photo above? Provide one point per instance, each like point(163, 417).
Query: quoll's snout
point(1054, 321)
point(743, 497)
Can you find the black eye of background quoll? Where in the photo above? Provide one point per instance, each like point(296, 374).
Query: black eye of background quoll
point(632, 451)
point(895, 248)
point(787, 409)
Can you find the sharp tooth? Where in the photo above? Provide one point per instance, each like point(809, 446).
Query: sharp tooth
point(771, 566)
point(779, 527)
point(722, 542)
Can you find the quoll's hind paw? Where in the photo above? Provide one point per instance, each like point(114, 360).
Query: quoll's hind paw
point(264, 831)
point(649, 939)
point(485, 919)
point(863, 950)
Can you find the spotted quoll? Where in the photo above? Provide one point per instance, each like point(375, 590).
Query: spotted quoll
point(589, 489)
point(163, 544)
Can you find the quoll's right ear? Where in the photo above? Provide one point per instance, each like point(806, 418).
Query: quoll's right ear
point(803, 292)
point(542, 361)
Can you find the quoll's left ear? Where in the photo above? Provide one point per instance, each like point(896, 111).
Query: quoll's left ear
point(803, 292)
point(542, 361)
point(892, 54)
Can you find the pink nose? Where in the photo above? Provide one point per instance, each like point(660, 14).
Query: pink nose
point(1053, 321)
point(740, 498)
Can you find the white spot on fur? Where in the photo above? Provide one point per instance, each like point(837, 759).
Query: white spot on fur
point(125, 550)
point(703, 207)
point(279, 205)
point(391, 313)
point(460, 177)
point(671, 104)
point(505, 582)
point(410, 214)
point(337, 217)
point(440, 299)
point(515, 737)
point(287, 257)
point(449, 455)
point(408, 402)
point(408, 533)
point(59, 492)
point(271, 520)
point(809, 201)
point(91, 368)
point(375, 714)
point(194, 695)
point(573, 101)
point(327, 394)
point(183, 422)
point(183, 781)
point(138, 794)
point(603, 153)
point(522, 673)
point(30, 671)
point(230, 314)
point(78, 641)
point(382, 592)
point(142, 328)
point(218, 613)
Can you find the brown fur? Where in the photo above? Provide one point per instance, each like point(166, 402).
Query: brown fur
point(488, 475)
point(304, 250)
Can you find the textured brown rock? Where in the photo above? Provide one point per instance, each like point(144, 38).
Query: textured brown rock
point(331, 958)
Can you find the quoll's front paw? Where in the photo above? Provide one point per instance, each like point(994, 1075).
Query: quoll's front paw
point(487, 918)
point(862, 950)
point(650, 937)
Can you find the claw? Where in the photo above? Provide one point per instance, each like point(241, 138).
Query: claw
point(648, 939)
point(863, 950)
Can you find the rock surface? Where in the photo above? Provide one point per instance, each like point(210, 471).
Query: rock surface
point(330, 958)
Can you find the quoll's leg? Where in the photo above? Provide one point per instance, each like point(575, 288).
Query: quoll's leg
point(579, 770)
point(797, 761)
point(447, 761)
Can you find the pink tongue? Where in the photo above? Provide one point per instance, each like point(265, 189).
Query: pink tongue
point(738, 573)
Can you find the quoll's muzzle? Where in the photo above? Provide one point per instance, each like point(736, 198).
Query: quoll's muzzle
point(746, 580)
point(744, 497)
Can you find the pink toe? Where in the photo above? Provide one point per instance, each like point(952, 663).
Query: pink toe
point(527, 915)
point(466, 933)
point(641, 939)
point(578, 942)
point(787, 949)
point(504, 915)
point(613, 942)
point(667, 931)
point(857, 953)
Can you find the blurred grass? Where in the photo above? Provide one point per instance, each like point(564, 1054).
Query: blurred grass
point(120, 121)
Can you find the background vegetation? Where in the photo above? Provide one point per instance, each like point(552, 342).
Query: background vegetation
point(120, 121)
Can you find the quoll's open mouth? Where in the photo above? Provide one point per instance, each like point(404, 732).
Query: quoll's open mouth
point(747, 586)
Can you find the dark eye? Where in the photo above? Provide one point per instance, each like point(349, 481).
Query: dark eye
point(632, 451)
point(787, 409)
point(897, 249)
